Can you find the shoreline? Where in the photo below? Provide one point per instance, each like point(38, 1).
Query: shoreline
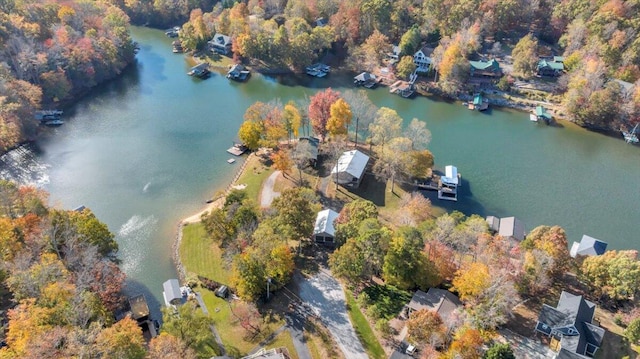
point(195, 218)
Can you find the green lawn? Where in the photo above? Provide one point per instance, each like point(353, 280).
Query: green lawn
point(254, 174)
point(284, 340)
point(361, 325)
point(389, 299)
point(201, 256)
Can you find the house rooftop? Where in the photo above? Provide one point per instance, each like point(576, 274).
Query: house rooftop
point(139, 307)
point(573, 311)
point(365, 77)
point(494, 223)
point(511, 227)
point(171, 291)
point(352, 162)
point(324, 222)
point(491, 65)
point(558, 66)
point(439, 300)
point(588, 246)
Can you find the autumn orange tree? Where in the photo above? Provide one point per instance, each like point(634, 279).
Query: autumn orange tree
point(281, 161)
point(425, 327)
point(320, 110)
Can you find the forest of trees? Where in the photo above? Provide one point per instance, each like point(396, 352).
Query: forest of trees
point(599, 40)
point(51, 53)
point(61, 287)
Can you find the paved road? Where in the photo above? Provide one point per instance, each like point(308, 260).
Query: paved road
point(268, 195)
point(325, 297)
point(295, 323)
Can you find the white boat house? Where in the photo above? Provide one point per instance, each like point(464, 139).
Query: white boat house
point(324, 232)
point(449, 184)
point(350, 168)
point(588, 246)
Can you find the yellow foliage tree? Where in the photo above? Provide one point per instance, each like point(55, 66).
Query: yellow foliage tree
point(471, 280)
point(292, 119)
point(340, 118)
point(122, 340)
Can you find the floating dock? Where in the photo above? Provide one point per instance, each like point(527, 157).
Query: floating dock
point(237, 150)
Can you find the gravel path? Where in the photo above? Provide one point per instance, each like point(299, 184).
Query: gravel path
point(325, 297)
point(268, 195)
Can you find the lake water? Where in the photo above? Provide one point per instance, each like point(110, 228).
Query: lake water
point(149, 148)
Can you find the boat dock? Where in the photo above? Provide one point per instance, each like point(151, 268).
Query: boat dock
point(200, 70)
point(237, 149)
point(318, 70)
point(49, 117)
point(479, 103)
point(446, 185)
point(238, 73)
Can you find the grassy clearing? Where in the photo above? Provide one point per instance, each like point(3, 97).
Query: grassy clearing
point(361, 325)
point(203, 257)
point(284, 340)
point(254, 174)
point(388, 299)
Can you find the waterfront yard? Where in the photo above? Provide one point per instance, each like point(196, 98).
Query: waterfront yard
point(201, 256)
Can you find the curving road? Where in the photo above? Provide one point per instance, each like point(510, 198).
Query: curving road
point(325, 297)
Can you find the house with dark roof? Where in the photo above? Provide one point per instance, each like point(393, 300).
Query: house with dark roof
point(570, 326)
point(554, 67)
point(438, 300)
point(220, 44)
point(423, 59)
point(588, 246)
point(489, 68)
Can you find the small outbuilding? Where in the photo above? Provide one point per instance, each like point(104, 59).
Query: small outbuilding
point(350, 168)
point(588, 246)
point(512, 228)
point(172, 293)
point(324, 232)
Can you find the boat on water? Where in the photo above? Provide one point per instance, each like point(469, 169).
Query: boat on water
point(631, 137)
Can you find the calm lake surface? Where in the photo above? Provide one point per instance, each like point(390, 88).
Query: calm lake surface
point(149, 148)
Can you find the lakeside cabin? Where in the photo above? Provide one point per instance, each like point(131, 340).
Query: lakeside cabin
point(238, 73)
point(540, 113)
point(200, 70)
point(350, 168)
point(479, 103)
point(324, 232)
point(366, 79)
point(512, 228)
point(220, 44)
point(448, 188)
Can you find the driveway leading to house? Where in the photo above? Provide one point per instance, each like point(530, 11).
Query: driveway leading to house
point(324, 295)
point(526, 348)
point(268, 195)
